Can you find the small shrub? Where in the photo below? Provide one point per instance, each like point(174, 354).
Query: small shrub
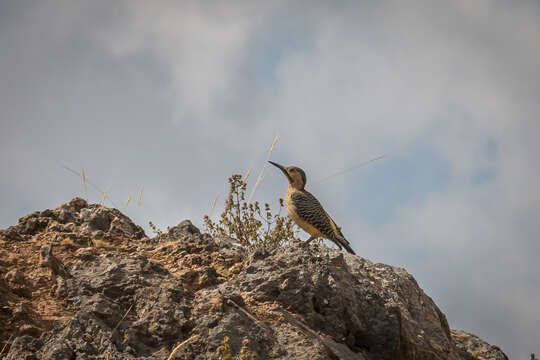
point(245, 352)
point(160, 235)
point(249, 223)
point(224, 350)
point(225, 353)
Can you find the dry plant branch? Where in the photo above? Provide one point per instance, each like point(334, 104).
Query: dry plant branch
point(244, 180)
point(94, 186)
point(6, 344)
point(122, 319)
point(84, 183)
point(107, 190)
point(349, 169)
point(127, 202)
point(179, 346)
point(139, 202)
point(214, 205)
point(261, 175)
point(245, 312)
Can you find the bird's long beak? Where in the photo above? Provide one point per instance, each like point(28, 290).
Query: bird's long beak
point(282, 168)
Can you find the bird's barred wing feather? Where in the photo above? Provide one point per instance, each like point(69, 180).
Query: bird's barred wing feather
point(309, 209)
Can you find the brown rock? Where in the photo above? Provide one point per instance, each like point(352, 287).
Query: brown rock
point(131, 300)
point(471, 347)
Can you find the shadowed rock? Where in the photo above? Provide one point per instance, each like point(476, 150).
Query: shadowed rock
point(137, 299)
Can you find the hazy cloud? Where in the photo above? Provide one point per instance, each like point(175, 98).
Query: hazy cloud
point(177, 96)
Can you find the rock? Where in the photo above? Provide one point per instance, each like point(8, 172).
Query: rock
point(58, 350)
point(99, 220)
point(11, 234)
point(66, 215)
point(86, 254)
point(24, 347)
point(17, 283)
point(229, 243)
point(29, 329)
point(185, 227)
point(32, 225)
point(50, 261)
point(471, 347)
point(14, 276)
point(129, 300)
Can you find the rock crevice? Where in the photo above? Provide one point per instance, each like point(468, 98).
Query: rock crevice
point(106, 291)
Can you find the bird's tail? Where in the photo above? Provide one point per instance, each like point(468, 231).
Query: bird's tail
point(342, 242)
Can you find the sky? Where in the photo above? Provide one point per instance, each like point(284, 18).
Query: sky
point(177, 96)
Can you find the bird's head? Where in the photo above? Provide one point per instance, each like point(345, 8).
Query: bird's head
point(295, 175)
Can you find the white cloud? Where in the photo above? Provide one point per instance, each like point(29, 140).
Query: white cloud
point(171, 95)
point(202, 45)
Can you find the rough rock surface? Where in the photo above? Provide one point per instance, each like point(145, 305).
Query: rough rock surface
point(83, 282)
point(471, 347)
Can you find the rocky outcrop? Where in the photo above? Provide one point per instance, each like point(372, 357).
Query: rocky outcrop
point(109, 292)
point(471, 347)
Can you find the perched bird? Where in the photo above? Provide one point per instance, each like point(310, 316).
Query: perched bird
point(307, 212)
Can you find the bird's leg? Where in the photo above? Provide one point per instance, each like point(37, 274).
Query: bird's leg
point(310, 240)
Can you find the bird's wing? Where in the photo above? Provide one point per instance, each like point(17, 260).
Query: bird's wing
point(309, 209)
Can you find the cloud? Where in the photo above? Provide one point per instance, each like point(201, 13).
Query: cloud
point(177, 95)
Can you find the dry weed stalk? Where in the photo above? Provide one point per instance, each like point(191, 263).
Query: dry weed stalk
point(105, 193)
point(214, 205)
point(140, 197)
point(122, 319)
point(84, 183)
point(6, 344)
point(94, 186)
point(127, 202)
point(261, 175)
point(349, 169)
point(179, 346)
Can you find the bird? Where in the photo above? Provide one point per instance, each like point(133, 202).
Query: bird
point(307, 212)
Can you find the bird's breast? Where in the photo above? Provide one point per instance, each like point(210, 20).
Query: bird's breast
point(289, 204)
point(293, 214)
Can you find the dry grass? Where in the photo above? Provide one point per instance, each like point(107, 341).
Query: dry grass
point(349, 169)
point(261, 175)
point(105, 193)
point(246, 177)
point(106, 352)
point(127, 202)
point(6, 344)
point(122, 319)
point(257, 183)
point(83, 176)
point(214, 205)
point(88, 182)
point(272, 147)
point(179, 346)
point(139, 202)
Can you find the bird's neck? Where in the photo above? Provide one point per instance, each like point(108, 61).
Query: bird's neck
point(294, 187)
